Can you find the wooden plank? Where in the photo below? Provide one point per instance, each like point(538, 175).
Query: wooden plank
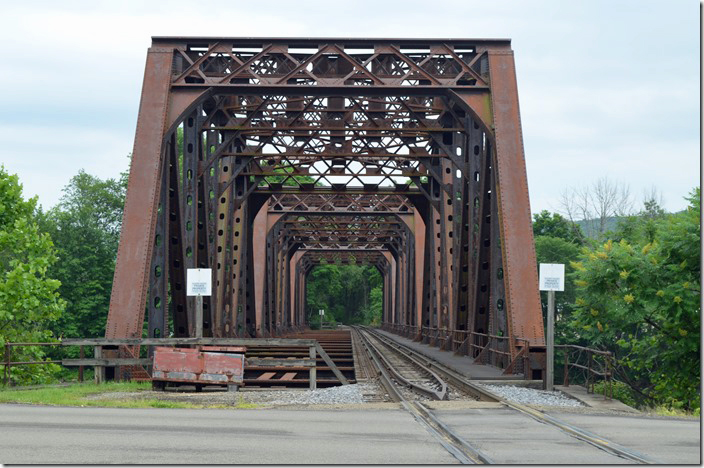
point(289, 376)
point(264, 362)
point(106, 362)
point(274, 342)
point(331, 364)
point(266, 376)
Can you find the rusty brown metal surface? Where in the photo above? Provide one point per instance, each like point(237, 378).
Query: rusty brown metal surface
point(261, 158)
point(210, 365)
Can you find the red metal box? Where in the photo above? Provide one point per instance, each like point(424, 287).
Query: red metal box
point(209, 365)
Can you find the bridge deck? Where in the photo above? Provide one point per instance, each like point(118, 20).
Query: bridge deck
point(462, 364)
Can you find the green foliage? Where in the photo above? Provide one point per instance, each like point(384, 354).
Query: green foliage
point(640, 298)
point(85, 226)
point(558, 250)
point(348, 294)
point(620, 391)
point(548, 224)
point(28, 294)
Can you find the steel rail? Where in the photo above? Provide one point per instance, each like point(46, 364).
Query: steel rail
point(453, 443)
point(461, 381)
point(434, 394)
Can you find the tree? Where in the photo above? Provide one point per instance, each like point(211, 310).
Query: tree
point(28, 294)
point(347, 293)
point(595, 204)
point(554, 225)
point(640, 299)
point(85, 226)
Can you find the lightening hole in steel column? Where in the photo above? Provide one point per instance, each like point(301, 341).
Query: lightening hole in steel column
point(189, 174)
point(190, 121)
point(234, 261)
point(225, 168)
point(236, 247)
point(500, 304)
point(237, 220)
point(189, 225)
point(485, 266)
point(437, 221)
point(222, 216)
point(500, 273)
point(211, 194)
point(447, 170)
point(157, 302)
point(190, 149)
point(482, 288)
point(220, 232)
point(458, 174)
point(157, 271)
point(450, 234)
point(449, 201)
point(476, 176)
point(488, 218)
point(157, 240)
point(157, 333)
point(237, 233)
point(487, 242)
point(223, 200)
point(189, 200)
point(189, 252)
point(476, 150)
point(211, 216)
point(219, 248)
point(458, 152)
point(481, 311)
point(212, 169)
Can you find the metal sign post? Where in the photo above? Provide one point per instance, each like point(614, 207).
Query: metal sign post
point(552, 278)
point(199, 283)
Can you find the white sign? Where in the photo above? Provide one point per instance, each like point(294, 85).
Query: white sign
point(199, 282)
point(552, 277)
point(321, 312)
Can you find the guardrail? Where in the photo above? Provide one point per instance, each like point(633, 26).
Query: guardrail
point(588, 365)
point(484, 348)
point(99, 361)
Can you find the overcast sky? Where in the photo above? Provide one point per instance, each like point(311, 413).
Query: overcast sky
point(606, 88)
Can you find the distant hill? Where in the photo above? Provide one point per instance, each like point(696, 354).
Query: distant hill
point(590, 227)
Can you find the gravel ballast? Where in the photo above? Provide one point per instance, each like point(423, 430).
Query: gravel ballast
point(531, 396)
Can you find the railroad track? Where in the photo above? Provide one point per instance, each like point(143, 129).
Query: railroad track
point(399, 376)
point(380, 347)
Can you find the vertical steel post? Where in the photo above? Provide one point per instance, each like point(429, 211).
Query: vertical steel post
point(550, 342)
point(199, 316)
point(313, 374)
point(566, 377)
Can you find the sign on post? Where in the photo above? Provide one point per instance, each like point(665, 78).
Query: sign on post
point(552, 278)
point(321, 311)
point(199, 282)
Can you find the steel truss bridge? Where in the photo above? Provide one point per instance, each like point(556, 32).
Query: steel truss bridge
point(263, 157)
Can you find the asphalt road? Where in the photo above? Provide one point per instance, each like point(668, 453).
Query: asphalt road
point(48, 435)
point(55, 435)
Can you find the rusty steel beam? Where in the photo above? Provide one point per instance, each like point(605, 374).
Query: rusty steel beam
point(263, 157)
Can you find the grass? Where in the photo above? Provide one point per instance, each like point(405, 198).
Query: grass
point(75, 395)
